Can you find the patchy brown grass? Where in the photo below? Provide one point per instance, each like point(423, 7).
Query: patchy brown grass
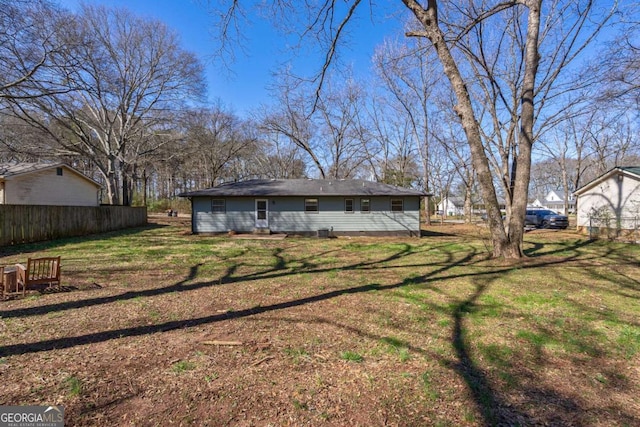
point(332, 332)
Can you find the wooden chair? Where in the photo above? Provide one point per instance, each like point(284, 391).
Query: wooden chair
point(8, 282)
point(39, 271)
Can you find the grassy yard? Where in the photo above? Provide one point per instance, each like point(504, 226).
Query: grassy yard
point(155, 326)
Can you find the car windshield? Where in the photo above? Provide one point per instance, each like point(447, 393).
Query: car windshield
point(545, 212)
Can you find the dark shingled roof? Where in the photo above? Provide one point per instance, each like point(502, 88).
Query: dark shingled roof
point(631, 169)
point(303, 187)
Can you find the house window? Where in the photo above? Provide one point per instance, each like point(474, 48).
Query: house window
point(311, 205)
point(397, 205)
point(218, 206)
point(365, 205)
point(59, 171)
point(348, 205)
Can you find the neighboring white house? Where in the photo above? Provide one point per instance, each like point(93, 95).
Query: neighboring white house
point(46, 184)
point(611, 200)
point(555, 202)
point(451, 206)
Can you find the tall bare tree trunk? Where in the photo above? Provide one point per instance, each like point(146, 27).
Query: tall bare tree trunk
point(525, 143)
point(425, 178)
point(502, 247)
point(468, 204)
point(565, 186)
point(505, 244)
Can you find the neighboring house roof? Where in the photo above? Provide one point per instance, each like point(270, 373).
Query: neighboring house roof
point(455, 201)
point(10, 170)
point(303, 187)
point(633, 171)
point(556, 197)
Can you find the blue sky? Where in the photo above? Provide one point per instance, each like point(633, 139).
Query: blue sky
point(242, 86)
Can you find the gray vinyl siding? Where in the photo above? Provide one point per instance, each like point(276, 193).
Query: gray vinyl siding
point(239, 216)
point(286, 215)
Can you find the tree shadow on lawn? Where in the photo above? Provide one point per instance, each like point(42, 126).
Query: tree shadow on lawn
point(432, 233)
point(25, 248)
point(277, 270)
point(537, 247)
point(69, 305)
point(629, 287)
point(494, 408)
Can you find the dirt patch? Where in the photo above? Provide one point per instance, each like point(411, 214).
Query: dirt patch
point(161, 327)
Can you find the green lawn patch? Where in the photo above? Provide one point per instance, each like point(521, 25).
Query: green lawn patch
point(303, 331)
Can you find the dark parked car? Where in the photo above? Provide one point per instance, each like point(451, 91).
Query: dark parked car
point(544, 218)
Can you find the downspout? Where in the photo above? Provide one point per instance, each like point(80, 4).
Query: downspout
point(193, 221)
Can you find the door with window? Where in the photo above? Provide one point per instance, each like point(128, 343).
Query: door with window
point(262, 213)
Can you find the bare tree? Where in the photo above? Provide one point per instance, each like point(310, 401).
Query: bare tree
point(389, 147)
point(20, 142)
point(586, 146)
point(338, 118)
point(442, 171)
point(133, 73)
point(507, 243)
point(329, 132)
point(566, 148)
point(292, 120)
point(30, 49)
point(621, 62)
point(215, 137)
point(611, 139)
point(410, 78)
point(550, 33)
point(277, 158)
point(168, 171)
point(514, 54)
point(457, 152)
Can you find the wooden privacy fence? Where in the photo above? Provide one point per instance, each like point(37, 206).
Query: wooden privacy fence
point(28, 223)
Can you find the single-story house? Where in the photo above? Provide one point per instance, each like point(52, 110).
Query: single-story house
point(611, 201)
point(451, 206)
point(46, 184)
point(306, 207)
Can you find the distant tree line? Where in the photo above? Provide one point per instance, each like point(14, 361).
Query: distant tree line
point(117, 97)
